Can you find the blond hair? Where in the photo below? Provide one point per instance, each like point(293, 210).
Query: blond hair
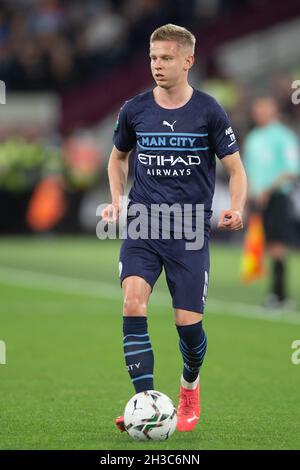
point(172, 32)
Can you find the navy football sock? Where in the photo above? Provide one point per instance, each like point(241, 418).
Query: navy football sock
point(138, 353)
point(192, 346)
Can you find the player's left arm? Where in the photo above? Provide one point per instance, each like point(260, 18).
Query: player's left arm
point(232, 219)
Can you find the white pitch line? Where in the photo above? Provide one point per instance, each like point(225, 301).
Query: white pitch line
point(66, 285)
point(240, 309)
point(83, 287)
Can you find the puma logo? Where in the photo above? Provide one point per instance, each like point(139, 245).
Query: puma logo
point(189, 420)
point(166, 123)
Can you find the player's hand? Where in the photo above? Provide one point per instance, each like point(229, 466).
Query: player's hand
point(230, 220)
point(110, 213)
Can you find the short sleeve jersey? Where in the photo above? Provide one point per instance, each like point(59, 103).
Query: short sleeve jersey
point(174, 150)
point(270, 152)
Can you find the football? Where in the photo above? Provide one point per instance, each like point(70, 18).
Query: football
point(150, 415)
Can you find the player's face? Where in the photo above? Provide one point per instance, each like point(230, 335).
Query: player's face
point(170, 63)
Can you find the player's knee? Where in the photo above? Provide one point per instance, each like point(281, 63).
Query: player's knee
point(134, 305)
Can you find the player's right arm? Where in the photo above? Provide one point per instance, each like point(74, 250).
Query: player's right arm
point(117, 175)
point(124, 141)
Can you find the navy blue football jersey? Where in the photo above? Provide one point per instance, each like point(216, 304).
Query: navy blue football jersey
point(174, 149)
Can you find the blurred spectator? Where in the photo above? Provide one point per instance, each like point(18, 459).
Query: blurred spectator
point(54, 43)
point(48, 18)
point(107, 31)
point(82, 159)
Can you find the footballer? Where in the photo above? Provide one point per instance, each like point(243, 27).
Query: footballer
point(174, 133)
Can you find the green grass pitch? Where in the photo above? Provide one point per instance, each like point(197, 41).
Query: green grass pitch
point(65, 379)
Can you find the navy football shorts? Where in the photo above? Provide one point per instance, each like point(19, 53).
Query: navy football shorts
point(186, 271)
point(277, 219)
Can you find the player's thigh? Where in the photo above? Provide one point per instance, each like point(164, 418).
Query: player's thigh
point(139, 258)
point(140, 266)
point(187, 275)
